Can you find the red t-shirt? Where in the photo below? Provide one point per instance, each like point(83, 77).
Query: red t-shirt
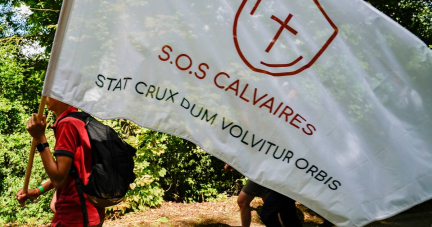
point(72, 140)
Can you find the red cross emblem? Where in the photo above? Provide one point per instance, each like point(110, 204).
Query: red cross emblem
point(284, 25)
point(284, 43)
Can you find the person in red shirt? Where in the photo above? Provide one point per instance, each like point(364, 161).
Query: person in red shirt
point(72, 148)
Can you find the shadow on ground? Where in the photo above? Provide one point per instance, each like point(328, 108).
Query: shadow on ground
point(212, 225)
point(205, 223)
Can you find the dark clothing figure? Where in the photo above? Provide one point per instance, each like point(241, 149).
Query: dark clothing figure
point(278, 203)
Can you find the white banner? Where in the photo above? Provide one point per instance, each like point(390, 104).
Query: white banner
point(328, 102)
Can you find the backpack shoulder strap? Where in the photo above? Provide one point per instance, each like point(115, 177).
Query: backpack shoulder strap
point(78, 115)
point(80, 189)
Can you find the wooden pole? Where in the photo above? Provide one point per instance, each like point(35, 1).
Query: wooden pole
point(33, 147)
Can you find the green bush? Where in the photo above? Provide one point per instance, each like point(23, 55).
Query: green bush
point(14, 152)
point(145, 190)
point(16, 102)
point(20, 87)
point(193, 175)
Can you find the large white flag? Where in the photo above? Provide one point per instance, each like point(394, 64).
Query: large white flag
point(328, 102)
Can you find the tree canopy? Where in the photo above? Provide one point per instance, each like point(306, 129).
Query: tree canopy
point(414, 15)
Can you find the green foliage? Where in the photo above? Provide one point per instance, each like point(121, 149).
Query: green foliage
point(193, 175)
point(23, 87)
point(145, 190)
point(11, 113)
point(36, 27)
point(414, 15)
point(14, 153)
point(17, 99)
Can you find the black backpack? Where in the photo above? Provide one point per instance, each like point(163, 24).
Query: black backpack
point(112, 165)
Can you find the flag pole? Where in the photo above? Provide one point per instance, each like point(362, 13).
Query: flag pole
point(33, 147)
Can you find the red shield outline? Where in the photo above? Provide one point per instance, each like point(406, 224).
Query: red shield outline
point(320, 52)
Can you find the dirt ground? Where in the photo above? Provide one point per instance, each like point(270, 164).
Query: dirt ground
point(226, 213)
